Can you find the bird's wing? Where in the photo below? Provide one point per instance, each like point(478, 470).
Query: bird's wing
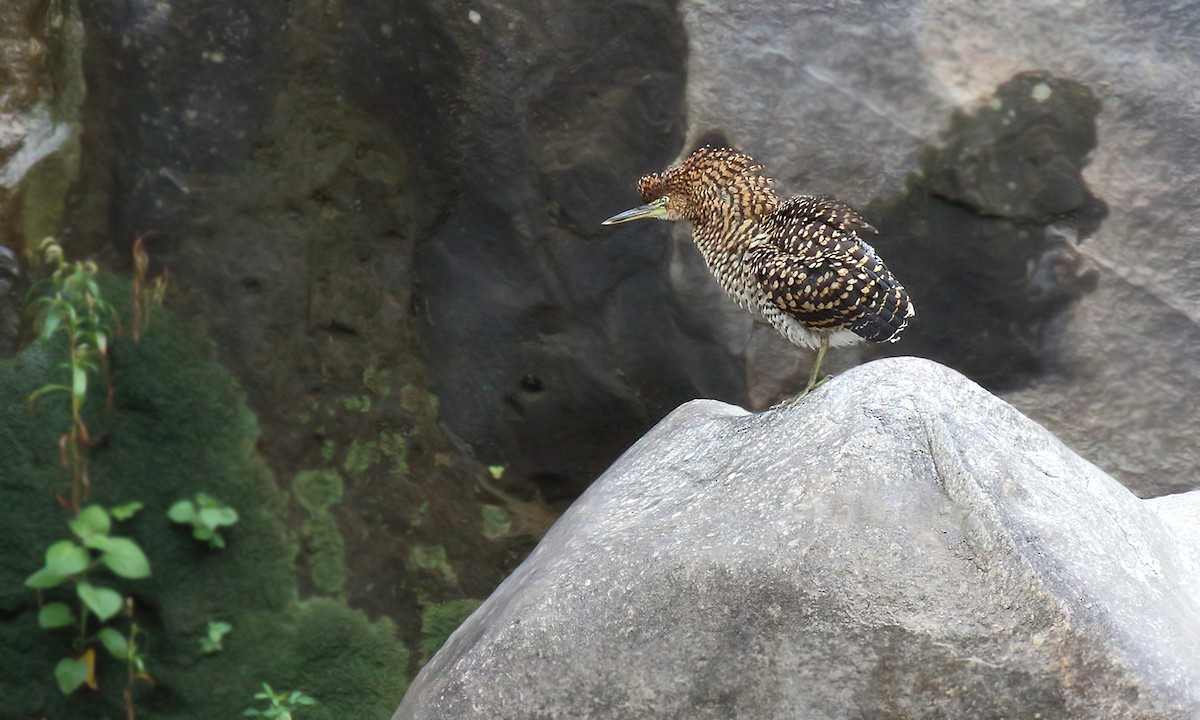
point(823, 209)
point(812, 265)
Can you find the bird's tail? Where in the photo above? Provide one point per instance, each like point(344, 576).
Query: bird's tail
point(888, 315)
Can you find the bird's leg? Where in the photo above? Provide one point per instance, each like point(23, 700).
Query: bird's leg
point(813, 382)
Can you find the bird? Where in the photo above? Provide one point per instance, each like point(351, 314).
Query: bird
point(799, 265)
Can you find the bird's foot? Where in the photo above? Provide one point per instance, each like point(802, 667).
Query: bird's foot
point(795, 400)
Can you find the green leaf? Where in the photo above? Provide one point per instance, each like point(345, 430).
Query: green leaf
point(66, 558)
point(98, 542)
point(216, 517)
point(218, 629)
point(78, 383)
point(55, 615)
point(182, 512)
point(126, 511)
point(125, 558)
point(93, 520)
point(100, 600)
point(114, 642)
point(43, 579)
point(46, 389)
point(70, 674)
point(50, 322)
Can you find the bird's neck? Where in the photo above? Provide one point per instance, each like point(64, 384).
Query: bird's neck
point(730, 205)
point(722, 241)
point(726, 216)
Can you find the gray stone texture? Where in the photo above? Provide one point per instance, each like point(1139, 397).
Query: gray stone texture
point(1090, 326)
point(901, 544)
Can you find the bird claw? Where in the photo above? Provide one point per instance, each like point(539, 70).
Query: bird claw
point(795, 400)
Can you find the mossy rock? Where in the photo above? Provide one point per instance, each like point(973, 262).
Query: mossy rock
point(179, 426)
point(317, 489)
point(440, 620)
point(326, 552)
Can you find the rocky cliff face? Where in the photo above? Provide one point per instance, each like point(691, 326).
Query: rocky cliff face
point(430, 176)
point(900, 544)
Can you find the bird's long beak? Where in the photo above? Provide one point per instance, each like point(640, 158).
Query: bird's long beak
point(656, 209)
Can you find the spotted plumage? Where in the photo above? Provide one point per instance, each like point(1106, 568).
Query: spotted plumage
point(798, 264)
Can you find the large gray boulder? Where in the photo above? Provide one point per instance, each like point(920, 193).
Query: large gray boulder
point(900, 544)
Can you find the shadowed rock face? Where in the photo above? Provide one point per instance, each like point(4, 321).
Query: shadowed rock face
point(283, 160)
point(337, 188)
point(901, 544)
point(553, 342)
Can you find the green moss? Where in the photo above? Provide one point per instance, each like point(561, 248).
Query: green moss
point(179, 426)
point(439, 620)
point(357, 403)
point(432, 558)
point(395, 447)
point(359, 457)
point(420, 515)
point(496, 522)
point(326, 551)
point(377, 381)
point(317, 489)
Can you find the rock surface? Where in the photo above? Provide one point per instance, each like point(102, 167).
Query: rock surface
point(553, 342)
point(901, 544)
point(852, 99)
point(413, 183)
point(282, 159)
point(41, 98)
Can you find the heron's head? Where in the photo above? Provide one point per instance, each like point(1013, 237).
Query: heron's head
point(710, 183)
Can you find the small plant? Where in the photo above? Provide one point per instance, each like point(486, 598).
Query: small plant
point(75, 308)
point(206, 515)
point(211, 643)
point(282, 704)
point(68, 562)
point(146, 295)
